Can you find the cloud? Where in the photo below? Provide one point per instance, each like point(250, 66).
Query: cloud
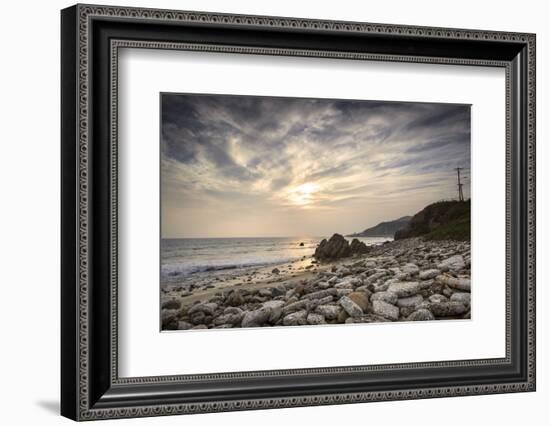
point(267, 157)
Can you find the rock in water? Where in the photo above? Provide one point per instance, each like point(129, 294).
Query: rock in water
point(335, 248)
point(358, 247)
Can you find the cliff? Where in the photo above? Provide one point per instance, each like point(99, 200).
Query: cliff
point(444, 220)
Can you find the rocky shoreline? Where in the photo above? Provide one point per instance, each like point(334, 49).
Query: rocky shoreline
point(405, 280)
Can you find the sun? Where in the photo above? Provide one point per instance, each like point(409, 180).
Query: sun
point(303, 195)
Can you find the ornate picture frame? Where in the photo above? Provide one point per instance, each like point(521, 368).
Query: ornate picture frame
point(91, 37)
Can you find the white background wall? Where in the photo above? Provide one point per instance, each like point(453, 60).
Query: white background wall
point(29, 213)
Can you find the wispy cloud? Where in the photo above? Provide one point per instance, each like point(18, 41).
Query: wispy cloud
point(243, 165)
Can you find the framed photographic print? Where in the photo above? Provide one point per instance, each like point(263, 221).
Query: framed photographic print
point(263, 212)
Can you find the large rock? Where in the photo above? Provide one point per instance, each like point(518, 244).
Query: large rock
point(236, 298)
point(336, 247)
point(376, 277)
point(232, 310)
point(341, 292)
point(207, 308)
point(198, 318)
point(297, 318)
point(428, 274)
point(404, 289)
point(383, 286)
point(437, 298)
point(361, 299)
point(421, 315)
point(352, 308)
point(265, 292)
point(171, 304)
point(385, 296)
point(321, 294)
point(454, 263)
point(276, 307)
point(405, 311)
point(358, 247)
point(344, 284)
point(460, 283)
point(232, 319)
point(295, 306)
point(385, 310)
point(460, 297)
point(169, 319)
point(410, 301)
point(184, 325)
point(447, 309)
point(256, 318)
point(324, 300)
point(330, 312)
point(315, 319)
point(410, 268)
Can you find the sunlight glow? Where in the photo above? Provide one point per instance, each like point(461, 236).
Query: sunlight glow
point(303, 195)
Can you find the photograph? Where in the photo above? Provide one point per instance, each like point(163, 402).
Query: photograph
point(282, 211)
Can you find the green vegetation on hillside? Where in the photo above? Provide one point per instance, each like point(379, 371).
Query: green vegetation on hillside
point(384, 228)
point(444, 220)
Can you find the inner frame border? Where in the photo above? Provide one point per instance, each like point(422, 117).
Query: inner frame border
point(116, 45)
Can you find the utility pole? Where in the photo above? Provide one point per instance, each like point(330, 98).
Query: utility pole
point(460, 194)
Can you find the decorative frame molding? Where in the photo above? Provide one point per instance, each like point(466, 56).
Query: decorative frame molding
point(87, 397)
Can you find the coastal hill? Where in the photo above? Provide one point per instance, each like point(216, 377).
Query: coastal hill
point(444, 220)
point(384, 229)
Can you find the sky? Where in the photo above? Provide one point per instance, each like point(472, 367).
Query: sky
point(250, 166)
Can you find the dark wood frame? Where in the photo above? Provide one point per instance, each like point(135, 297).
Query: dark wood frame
point(90, 386)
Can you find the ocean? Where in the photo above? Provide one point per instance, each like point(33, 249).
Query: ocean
point(192, 259)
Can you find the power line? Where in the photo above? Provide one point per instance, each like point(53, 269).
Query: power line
point(460, 194)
